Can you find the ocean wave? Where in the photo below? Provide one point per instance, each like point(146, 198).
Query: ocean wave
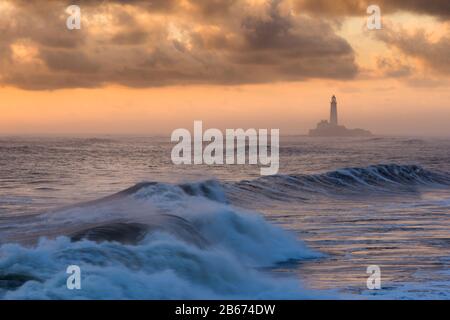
point(152, 241)
point(15, 200)
point(386, 178)
point(383, 178)
point(178, 241)
point(161, 267)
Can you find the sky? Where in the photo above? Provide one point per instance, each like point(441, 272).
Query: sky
point(150, 67)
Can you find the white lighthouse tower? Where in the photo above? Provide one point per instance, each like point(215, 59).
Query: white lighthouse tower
point(333, 111)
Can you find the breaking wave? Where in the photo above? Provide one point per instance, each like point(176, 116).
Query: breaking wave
point(383, 178)
point(186, 241)
point(151, 241)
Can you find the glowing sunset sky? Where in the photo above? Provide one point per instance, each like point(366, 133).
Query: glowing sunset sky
point(149, 67)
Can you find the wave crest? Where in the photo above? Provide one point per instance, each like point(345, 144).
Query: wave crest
point(390, 178)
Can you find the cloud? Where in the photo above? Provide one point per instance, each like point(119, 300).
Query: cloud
point(433, 53)
point(439, 8)
point(168, 42)
point(394, 68)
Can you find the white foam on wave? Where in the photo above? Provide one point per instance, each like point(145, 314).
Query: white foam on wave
point(162, 267)
point(243, 232)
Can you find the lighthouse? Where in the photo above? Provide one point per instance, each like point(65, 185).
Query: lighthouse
point(333, 129)
point(333, 112)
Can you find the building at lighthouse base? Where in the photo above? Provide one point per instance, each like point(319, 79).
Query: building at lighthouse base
point(326, 129)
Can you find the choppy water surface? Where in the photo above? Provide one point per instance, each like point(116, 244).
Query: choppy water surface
point(223, 231)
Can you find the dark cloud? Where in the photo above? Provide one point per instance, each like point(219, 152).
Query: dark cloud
point(294, 48)
point(133, 37)
point(158, 43)
point(39, 22)
point(68, 61)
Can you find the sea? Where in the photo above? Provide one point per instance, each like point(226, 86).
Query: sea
point(140, 227)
